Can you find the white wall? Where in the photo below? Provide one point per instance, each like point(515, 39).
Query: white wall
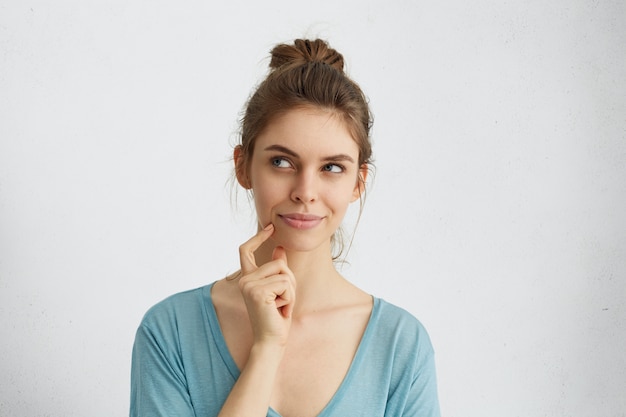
point(497, 215)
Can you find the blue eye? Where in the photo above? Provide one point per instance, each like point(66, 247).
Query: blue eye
point(280, 162)
point(333, 168)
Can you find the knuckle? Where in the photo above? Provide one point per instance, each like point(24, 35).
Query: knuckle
point(242, 250)
point(258, 295)
point(282, 265)
point(244, 283)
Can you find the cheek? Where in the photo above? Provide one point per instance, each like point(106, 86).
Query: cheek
point(342, 198)
point(265, 197)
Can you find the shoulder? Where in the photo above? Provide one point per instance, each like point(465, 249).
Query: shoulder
point(183, 305)
point(411, 358)
point(397, 352)
point(397, 329)
point(174, 324)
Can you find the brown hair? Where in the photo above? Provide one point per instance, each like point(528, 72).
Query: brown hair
point(306, 73)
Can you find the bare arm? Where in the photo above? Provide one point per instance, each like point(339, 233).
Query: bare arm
point(252, 392)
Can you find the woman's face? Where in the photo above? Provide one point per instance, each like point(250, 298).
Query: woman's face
point(304, 173)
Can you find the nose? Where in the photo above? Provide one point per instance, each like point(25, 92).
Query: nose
point(304, 188)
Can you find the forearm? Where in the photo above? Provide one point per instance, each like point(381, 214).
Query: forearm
point(251, 394)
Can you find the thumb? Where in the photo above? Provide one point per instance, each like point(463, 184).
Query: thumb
point(279, 253)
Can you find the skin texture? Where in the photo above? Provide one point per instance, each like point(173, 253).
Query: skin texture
point(304, 162)
point(305, 320)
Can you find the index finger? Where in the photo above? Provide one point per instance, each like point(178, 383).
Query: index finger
point(246, 251)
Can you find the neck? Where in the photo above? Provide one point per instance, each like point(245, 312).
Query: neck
point(315, 273)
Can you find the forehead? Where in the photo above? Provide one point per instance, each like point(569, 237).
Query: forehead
point(309, 130)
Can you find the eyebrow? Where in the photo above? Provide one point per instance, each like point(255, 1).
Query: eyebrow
point(338, 157)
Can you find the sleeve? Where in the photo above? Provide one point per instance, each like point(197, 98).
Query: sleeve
point(423, 400)
point(158, 383)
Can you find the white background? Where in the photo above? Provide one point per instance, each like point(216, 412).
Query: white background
point(497, 215)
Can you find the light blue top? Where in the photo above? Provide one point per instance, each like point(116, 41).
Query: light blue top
point(181, 366)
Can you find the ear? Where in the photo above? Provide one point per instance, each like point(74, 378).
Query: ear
point(359, 187)
point(241, 170)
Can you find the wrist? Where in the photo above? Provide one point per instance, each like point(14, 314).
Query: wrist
point(267, 351)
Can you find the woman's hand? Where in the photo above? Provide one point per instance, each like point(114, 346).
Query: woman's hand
point(269, 291)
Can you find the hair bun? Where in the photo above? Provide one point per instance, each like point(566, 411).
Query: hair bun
point(304, 51)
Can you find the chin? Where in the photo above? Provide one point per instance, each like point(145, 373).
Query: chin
point(300, 243)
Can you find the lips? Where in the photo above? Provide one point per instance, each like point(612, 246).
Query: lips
point(301, 220)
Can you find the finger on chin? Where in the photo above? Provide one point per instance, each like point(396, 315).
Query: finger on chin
point(246, 250)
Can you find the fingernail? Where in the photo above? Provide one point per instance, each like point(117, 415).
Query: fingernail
point(268, 227)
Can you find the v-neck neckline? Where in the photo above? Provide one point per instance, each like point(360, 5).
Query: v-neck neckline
point(229, 361)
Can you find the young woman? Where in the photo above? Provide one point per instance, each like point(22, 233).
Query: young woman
point(287, 335)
